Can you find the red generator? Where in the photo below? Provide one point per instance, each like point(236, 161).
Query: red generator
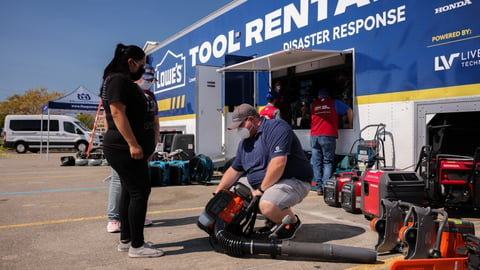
point(406, 186)
point(352, 196)
point(456, 184)
point(332, 189)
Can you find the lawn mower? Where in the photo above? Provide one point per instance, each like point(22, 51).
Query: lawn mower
point(229, 219)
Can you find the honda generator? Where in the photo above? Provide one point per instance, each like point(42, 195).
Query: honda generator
point(459, 181)
point(405, 186)
point(352, 195)
point(332, 189)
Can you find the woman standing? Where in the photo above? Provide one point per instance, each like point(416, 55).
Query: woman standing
point(129, 143)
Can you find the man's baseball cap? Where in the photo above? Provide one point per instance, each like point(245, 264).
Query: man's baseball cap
point(271, 96)
point(149, 72)
point(323, 92)
point(240, 114)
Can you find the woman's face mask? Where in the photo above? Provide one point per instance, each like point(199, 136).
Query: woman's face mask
point(135, 76)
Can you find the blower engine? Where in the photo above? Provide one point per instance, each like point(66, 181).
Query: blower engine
point(229, 219)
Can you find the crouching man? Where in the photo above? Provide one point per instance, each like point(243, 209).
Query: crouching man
point(275, 165)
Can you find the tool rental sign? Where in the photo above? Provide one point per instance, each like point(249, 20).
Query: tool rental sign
point(393, 35)
point(278, 22)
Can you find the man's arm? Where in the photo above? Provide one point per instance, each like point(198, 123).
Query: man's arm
point(274, 172)
point(230, 177)
point(350, 118)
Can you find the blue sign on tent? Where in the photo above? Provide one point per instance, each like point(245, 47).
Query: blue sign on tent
point(81, 100)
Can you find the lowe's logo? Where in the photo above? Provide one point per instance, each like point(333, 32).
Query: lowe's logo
point(170, 72)
point(83, 96)
point(443, 62)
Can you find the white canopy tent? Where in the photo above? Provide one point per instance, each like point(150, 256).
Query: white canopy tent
point(81, 100)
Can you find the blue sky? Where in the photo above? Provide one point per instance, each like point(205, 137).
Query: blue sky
point(62, 44)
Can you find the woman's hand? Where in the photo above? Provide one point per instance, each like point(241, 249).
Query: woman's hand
point(136, 151)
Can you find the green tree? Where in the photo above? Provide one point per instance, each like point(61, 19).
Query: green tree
point(87, 119)
point(29, 103)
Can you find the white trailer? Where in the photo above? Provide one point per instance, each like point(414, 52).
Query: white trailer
point(411, 65)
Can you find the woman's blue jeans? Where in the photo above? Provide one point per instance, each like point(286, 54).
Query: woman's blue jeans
point(114, 192)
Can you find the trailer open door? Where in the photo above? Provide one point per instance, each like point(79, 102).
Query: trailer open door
point(208, 139)
point(289, 58)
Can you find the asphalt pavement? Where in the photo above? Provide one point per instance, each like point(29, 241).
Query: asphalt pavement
point(54, 217)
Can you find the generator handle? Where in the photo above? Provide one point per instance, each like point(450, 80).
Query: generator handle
point(435, 253)
point(425, 155)
point(476, 158)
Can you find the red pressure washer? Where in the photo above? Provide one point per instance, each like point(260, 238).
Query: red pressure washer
point(343, 189)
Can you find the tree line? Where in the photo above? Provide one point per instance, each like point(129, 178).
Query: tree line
point(31, 103)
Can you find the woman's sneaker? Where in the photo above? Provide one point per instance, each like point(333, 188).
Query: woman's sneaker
point(123, 246)
point(147, 222)
point(145, 251)
point(113, 226)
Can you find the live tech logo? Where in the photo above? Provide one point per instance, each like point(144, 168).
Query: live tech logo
point(445, 62)
point(466, 59)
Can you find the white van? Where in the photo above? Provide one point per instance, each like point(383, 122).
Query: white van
point(28, 132)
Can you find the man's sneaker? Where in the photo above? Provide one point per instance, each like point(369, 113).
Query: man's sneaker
point(267, 229)
point(145, 251)
point(113, 226)
point(147, 222)
point(288, 232)
point(123, 246)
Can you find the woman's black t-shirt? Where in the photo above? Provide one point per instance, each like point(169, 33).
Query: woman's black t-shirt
point(139, 108)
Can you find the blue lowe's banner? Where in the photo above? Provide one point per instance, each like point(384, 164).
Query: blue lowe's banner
point(399, 45)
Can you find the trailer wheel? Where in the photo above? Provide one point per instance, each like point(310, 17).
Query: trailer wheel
point(82, 146)
point(21, 147)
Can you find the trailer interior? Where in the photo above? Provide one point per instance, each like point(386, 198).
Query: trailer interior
point(301, 74)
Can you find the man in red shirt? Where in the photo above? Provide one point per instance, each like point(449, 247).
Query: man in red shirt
point(270, 111)
point(325, 112)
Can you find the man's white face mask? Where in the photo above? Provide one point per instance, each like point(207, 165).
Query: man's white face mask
point(145, 84)
point(243, 133)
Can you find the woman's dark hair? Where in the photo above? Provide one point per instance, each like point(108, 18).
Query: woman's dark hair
point(119, 63)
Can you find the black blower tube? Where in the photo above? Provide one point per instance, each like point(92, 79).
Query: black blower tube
point(327, 251)
point(237, 246)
